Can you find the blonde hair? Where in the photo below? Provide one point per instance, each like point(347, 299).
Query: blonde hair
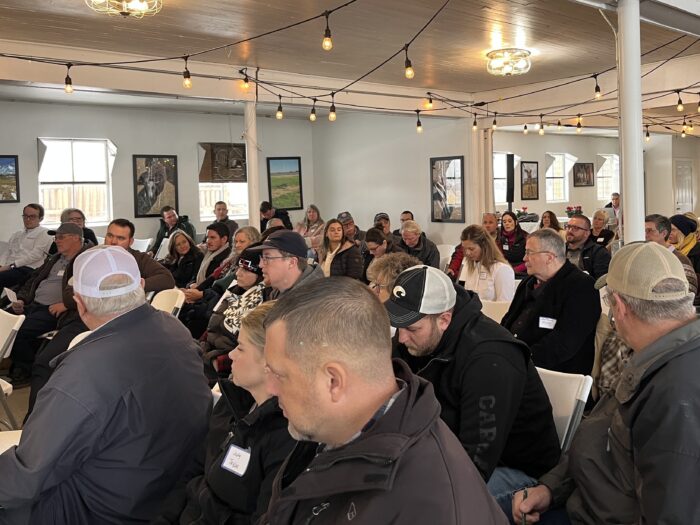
point(253, 324)
point(490, 254)
point(411, 226)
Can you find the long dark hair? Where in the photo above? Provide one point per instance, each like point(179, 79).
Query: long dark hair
point(553, 221)
point(326, 242)
point(519, 232)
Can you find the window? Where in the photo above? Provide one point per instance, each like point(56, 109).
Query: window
point(500, 176)
point(76, 173)
point(608, 176)
point(557, 176)
point(234, 194)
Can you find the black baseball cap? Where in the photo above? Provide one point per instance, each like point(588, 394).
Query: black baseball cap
point(284, 241)
point(69, 228)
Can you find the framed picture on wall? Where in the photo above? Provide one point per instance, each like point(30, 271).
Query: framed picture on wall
point(284, 182)
point(155, 184)
point(447, 189)
point(9, 178)
point(529, 180)
point(583, 174)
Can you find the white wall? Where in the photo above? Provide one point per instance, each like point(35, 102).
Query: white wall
point(371, 163)
point(659, 175)
point(533, 147)
point(147, 132)
point(688, 148)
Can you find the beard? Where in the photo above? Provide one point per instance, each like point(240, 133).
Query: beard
point(428, 346)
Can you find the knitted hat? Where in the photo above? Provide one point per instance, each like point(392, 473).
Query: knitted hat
point(684, 224)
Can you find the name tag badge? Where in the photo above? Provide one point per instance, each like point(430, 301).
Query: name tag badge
point(505, 247)
point(600, 239)
point(236, 460)
point(60, 273)
point(483, 275)
point(547, 322)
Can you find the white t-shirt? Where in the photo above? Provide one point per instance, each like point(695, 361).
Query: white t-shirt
point(498, 284)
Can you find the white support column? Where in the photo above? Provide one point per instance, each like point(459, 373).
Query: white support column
point(251, 142)
point(630, 127)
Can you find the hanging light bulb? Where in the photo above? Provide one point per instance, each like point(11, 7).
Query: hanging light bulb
point(409, 72)
point(475, 124)
point(494, 125)
point(280, 114)
point(245, 84)
point(332, 116)
point(699, 104)
point(685, 124)
point(679, 105)
point(429, 103)
point(327, 43)
point(597, 92)
point(68, 88)
point(419, 125)
point(578, 127)
point(186, 78)
point(579, 118)
point(690, 126)
point(312, 115)
point(541, 130)
point(558, 124)
point(682, 134)
point(525, 129)
point(647, 137)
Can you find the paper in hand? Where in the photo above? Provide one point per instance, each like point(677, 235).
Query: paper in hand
point(12, 296)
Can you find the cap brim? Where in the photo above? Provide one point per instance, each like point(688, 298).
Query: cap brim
point(261, 248)
point(401, 317)
point(601, 282)
point(51, 232)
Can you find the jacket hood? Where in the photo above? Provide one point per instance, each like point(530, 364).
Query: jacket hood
point(466, 309)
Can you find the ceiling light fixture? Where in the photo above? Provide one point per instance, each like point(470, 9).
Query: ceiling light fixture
point(597, 92)
point(186, 77)
point(332, 116)
point(647, 137)
point(280, 114)
point(327, 43)
point(509, 61)
point(541, 130)
point(312, 115)
point(495, 124)
point(429, 103)
point(525, 129)
point(679, 105)
point(126, 8)
point(419, 125)
point(68, 88)
point(475, 124)
point(409, 72)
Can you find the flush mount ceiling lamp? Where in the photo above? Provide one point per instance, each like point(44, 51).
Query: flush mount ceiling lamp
point(509, 61)
point(126, 8)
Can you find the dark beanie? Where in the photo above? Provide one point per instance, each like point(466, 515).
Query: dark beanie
point(684, 224)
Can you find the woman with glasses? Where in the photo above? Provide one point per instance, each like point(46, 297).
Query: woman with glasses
point(549, 220)
point(382, 272)
point(485, 270)
point(184, 258)
point(339, 255)
point(247, 442)
point(76, 216)
point(511, 239)
point(378, 244)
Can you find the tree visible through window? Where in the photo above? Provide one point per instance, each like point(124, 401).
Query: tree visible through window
point(608, 176)
point(76, 173)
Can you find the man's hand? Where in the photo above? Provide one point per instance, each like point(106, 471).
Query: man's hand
point(57, 309)
point(192, 295)
point(18, 306)
point(150, 253)
point(538, 500)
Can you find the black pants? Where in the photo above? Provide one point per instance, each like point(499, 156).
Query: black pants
point(15, 276)
point(41, 370)
point(38, 320)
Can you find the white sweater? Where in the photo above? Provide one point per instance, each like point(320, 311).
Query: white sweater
point(498, 284)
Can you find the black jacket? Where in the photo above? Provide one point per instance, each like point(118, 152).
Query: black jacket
point(491, 395)
point(213, 265)
point(406, 468)
point(216, 495)
point(595, 259)
point(347, 262)
point(183, 224)
point(185, 269)
point(569, 300)
point(283, 215)
point(514, 251)
point(425, 251)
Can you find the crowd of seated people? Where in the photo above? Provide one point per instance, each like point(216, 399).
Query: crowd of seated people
point(295, 330)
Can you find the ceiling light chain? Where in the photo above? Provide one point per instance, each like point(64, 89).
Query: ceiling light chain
point(327, 43)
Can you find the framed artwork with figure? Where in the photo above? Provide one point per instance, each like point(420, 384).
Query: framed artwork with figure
point(583, 174)
point(447, 189)
point(155, 184)
point(529, 181)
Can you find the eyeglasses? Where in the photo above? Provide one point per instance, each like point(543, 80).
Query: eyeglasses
point(528, 253)
point(650, 230)
point(606, 299)
point(575, 228)
point(267, 258)
point(75, 219)
point(247, 265)
point(376, 287)
point(30, 216)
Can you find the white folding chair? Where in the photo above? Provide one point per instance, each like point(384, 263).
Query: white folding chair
point(9, 326)
point(568, 394)
point(446, 251)
point(142, 244)
point(495, 309)
point(79, 338)
point(169, 301)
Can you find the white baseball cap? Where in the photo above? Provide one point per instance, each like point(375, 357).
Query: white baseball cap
point(417, 292)
point(96, 264)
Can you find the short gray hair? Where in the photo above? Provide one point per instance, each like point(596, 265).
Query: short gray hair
point(411, 226)
point(550, 241)
point(111, 306)
point(650, 311)
point(65, 214)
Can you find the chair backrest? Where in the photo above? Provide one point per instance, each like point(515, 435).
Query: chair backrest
point(568, 394)
point(142, 244)
point(100, 240)
point(79, 338)
point(446, 251)
point(9, 326)
point(495, 309)
point(169, 301)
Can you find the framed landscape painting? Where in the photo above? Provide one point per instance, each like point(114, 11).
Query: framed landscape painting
point(9, 178)
point(155, 184)
point(284, 182)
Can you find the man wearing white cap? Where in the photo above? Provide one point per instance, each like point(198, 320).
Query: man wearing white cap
point(490, 393)
point(635, 458)
point(112, 430)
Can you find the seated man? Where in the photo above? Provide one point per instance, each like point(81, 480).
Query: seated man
point(27, 248)
point(221, 213)
point(414, 242)
point(267, 212)
point(490, 393)
point(120, 232)
point(169, 223)
point(406, 215)
point(556, 308)
point(373, 448)
point(351, 231)
point(635, 456)
point(582, 251)
point(114, 428)
point(41, 301)
point(76, 216)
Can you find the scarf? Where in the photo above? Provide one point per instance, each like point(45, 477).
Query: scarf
point(687, 244)
point(208, 256)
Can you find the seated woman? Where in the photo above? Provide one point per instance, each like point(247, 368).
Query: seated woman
point(683, 238)
point(549, 220)
point(184, 259)
point(243, 295)
point(489, 222)
point(382, 273)
point(339, 256)
point(311, 229)
point(599, 233)
point(246, 421)
point(485, 270)
point(378, 244)
point(512, 239)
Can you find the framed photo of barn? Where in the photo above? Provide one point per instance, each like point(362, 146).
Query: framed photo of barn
point(155, 184)
point(284, 182)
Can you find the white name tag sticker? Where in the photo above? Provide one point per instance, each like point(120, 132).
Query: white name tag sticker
point(505, 247)
point(483, 275)
point(60, 273)
point(547, 322)
point(236, 460)
point(600, 239)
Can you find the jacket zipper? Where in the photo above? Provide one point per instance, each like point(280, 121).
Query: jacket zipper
point(441, 359)
point(318, 509)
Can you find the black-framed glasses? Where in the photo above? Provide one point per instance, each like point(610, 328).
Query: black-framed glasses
point(29, 216)
point(575, 228)
point(267, 258)
point(376, 287)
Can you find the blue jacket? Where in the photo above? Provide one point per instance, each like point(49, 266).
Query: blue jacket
point(112, 430)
